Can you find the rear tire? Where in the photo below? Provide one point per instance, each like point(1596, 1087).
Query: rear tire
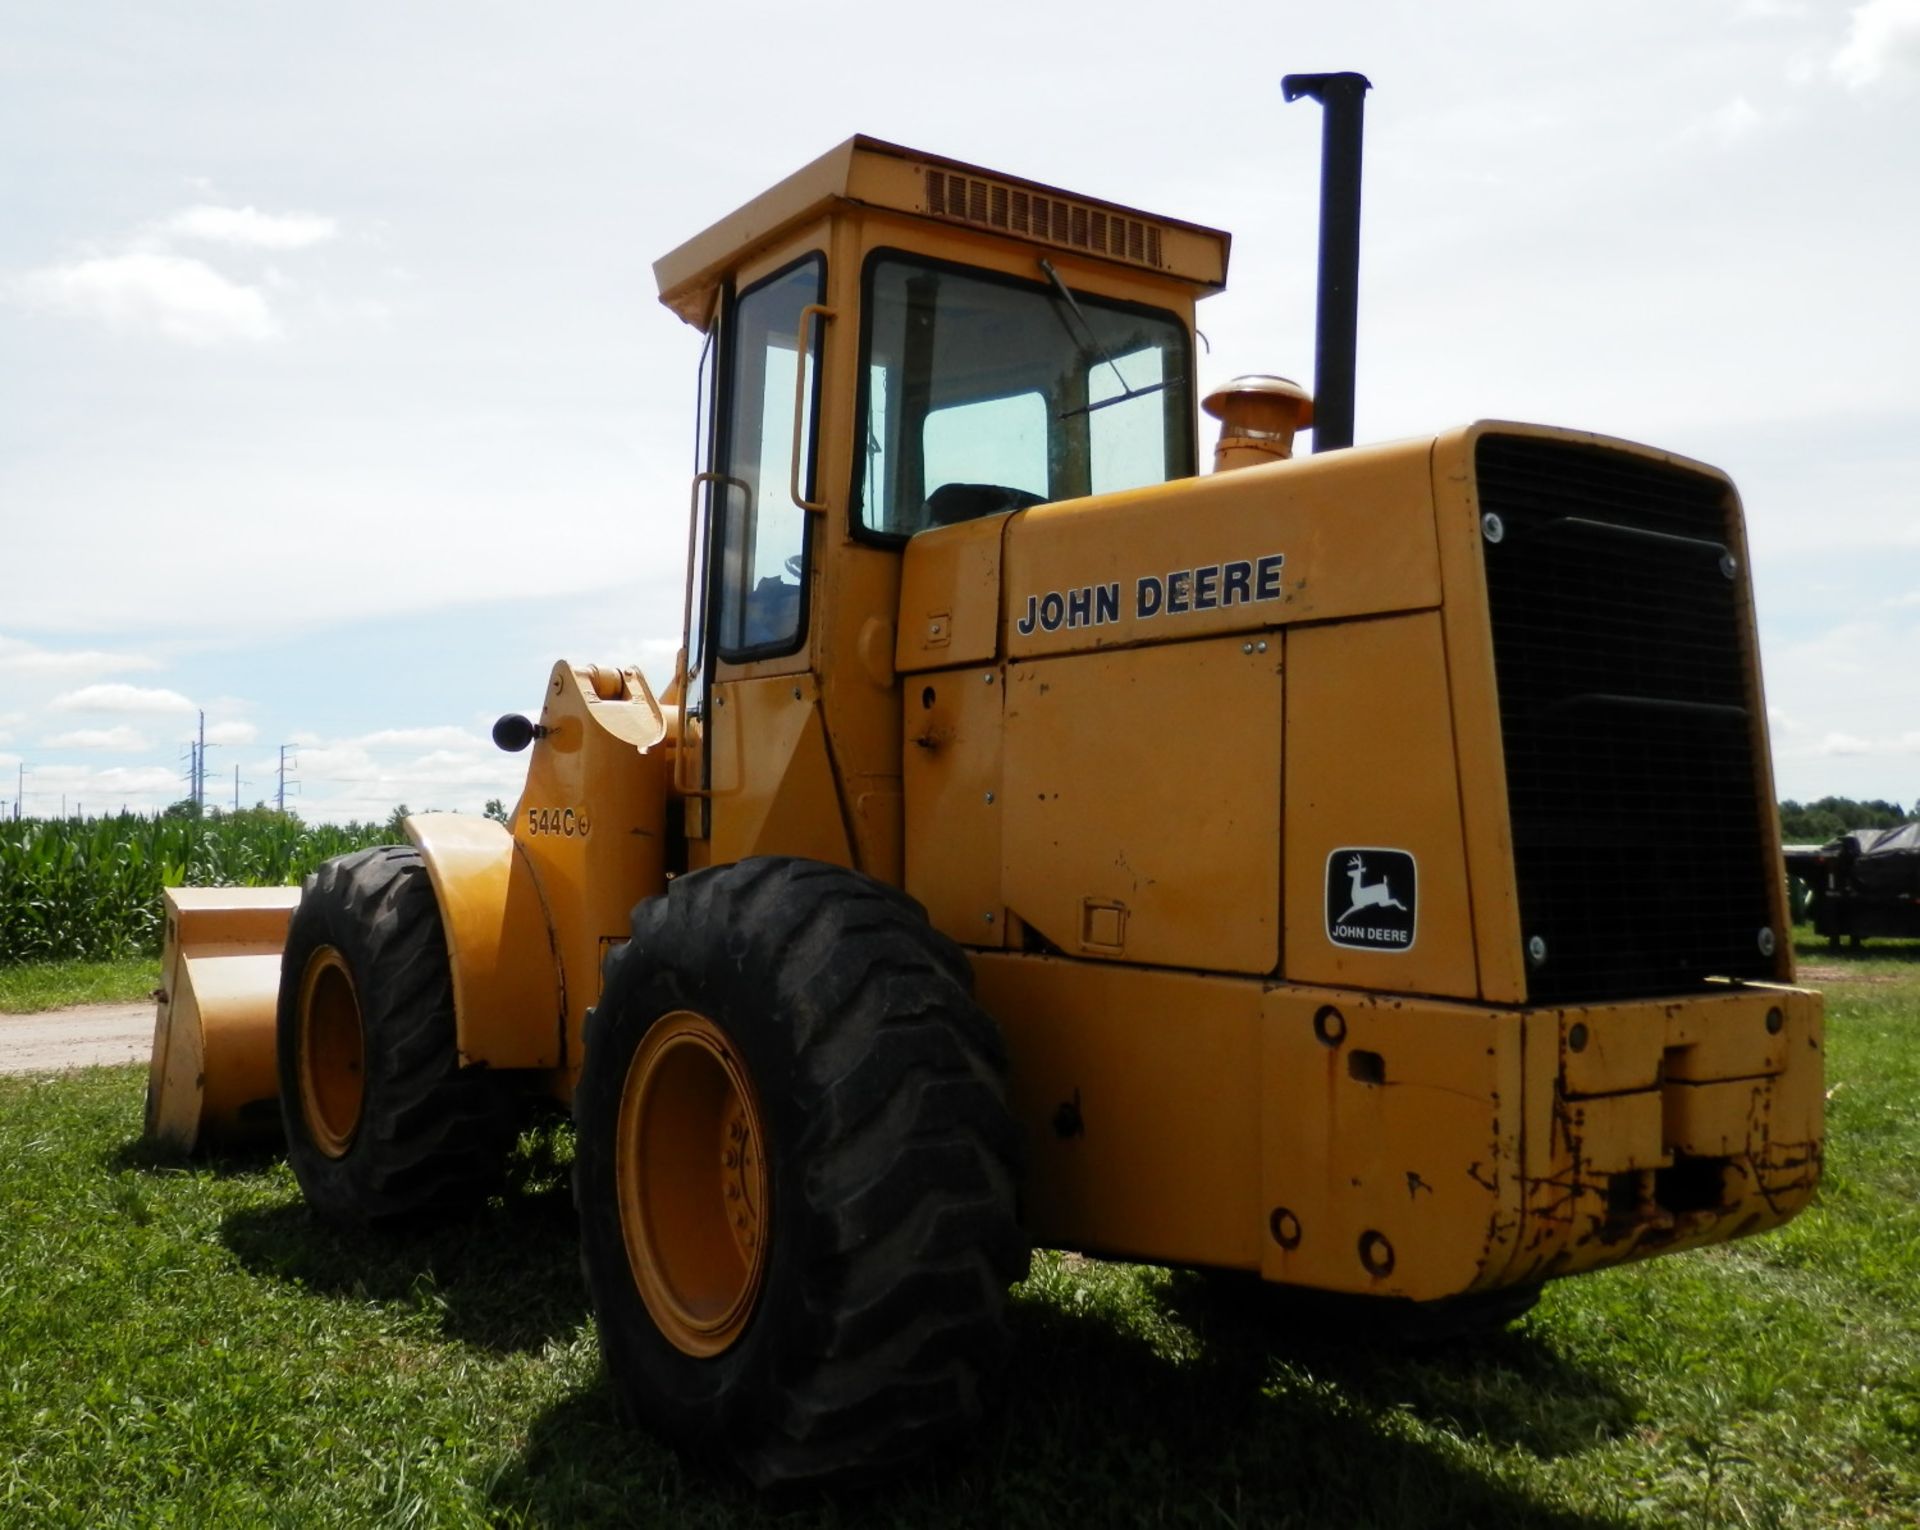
point(382, 1123)
point(818, 1295)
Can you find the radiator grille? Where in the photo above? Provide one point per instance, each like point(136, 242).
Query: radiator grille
point(1056, 220)
point(1618, 643)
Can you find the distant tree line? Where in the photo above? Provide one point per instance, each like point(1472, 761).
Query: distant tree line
point(1814, 823)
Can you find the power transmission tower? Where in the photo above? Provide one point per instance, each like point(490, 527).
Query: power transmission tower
point(280, 796)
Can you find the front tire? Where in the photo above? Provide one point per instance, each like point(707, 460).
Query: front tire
point(382, 1123)
point(795, 1174)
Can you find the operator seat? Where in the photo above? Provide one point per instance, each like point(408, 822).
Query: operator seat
point(952, 503)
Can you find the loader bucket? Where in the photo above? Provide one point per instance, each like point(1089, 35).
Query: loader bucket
point(212, 1080)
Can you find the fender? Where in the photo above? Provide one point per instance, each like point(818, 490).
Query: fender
point(531, 912)
point(508, 1003)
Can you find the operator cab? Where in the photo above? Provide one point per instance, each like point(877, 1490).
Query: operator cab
point(899, 343)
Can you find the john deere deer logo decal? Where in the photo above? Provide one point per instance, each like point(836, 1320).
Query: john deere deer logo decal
point(1375, 891)
point(1379, 895)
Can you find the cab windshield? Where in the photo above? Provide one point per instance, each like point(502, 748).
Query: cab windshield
point(984, 393)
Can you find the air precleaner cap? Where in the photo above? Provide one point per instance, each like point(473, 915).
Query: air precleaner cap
point(1258, 416)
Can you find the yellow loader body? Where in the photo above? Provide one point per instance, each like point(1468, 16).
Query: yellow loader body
point(1202, 1077)
point(1358, 1142)
point(1243, 793)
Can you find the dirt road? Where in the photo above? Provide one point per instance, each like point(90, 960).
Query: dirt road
point(82, 1037)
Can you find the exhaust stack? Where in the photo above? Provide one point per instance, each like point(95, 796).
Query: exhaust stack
point(1337, 326)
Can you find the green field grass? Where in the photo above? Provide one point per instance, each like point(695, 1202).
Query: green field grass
point(90, 889)
point(182, 1345)
point(30, 986)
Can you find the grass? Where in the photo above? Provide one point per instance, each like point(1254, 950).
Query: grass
point(181, 1345)
point(26, 987)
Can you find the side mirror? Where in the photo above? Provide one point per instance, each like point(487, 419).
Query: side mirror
point(514, 732)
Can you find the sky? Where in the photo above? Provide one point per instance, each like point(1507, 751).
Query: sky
point(336, 401)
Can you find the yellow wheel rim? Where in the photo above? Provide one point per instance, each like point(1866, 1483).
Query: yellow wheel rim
point(691, 1175)
point(333, 1053)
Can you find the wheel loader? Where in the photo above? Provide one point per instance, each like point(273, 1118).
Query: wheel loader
point(1355, 872)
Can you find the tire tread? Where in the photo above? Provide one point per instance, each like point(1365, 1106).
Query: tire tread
point(895, 1327)
point(433, 1136)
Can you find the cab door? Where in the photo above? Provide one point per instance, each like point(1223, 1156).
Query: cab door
point(750, 561)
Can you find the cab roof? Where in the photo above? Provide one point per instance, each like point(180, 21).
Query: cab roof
point(868, 172)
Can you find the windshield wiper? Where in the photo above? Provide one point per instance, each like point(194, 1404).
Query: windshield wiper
point(1118, 398)
point(1093, 340)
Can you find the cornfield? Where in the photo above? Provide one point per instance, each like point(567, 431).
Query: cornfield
point(91, 889)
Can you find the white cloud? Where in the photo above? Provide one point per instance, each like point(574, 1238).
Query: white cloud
point(152, 292)
point(417, 738)
point(364, 776)
point(20, 656)
point(1848, 744)
point(1733, 122)
point(1883, 39)
point(122, 698)
point(250, 227)
point(124, 739)
point(102, 791)
point(1847, 710)
point(142, 779)
point(232, 733)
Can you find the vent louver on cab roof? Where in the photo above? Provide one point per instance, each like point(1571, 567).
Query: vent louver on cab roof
point(1055, 219)
point(868, 172)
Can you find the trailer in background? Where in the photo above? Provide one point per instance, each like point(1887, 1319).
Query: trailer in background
point(1863, 885)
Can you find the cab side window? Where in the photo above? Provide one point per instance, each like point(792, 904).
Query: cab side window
point(760, 555)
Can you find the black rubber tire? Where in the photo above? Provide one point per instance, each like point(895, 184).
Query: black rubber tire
point(879, 1326)
point(433, 1138)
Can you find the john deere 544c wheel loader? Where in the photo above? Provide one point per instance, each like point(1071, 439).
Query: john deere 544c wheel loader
point(1356, 871)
